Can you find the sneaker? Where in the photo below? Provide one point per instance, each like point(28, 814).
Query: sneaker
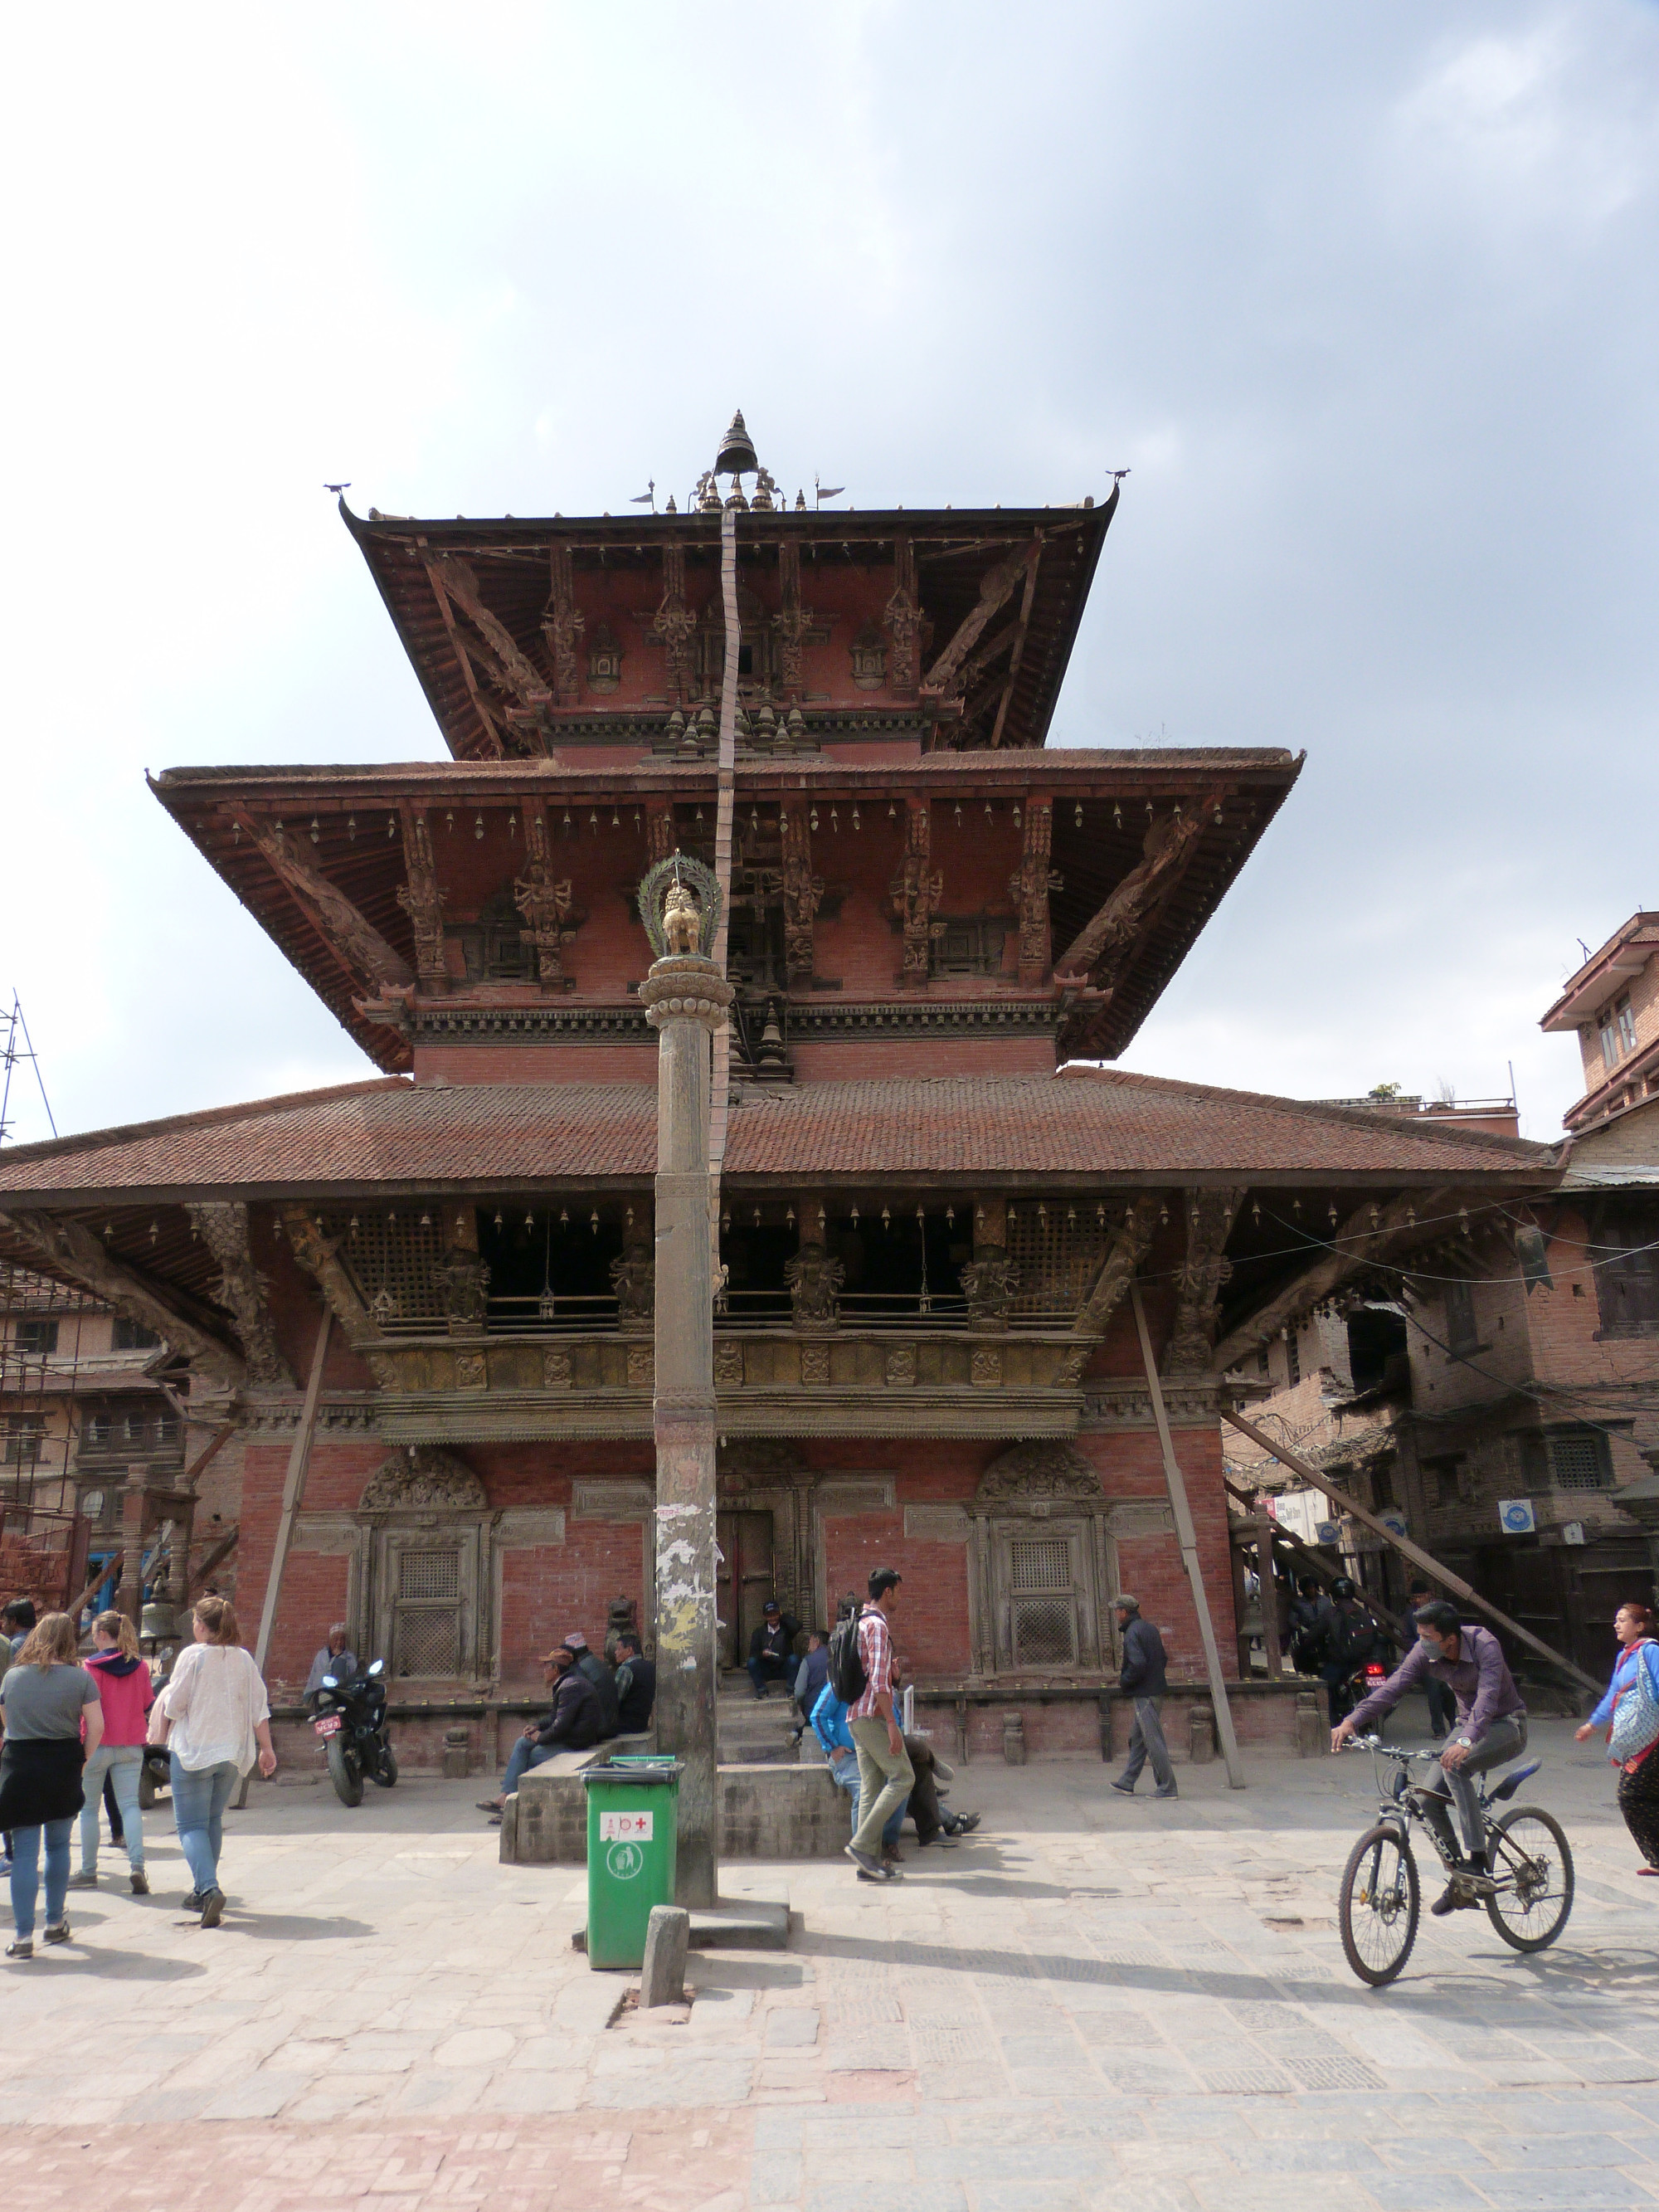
point(81, 1881)
point(140, 1882)
point(194, 1902)
point(868, 1865)
point(1170, 1792)
point(941, 1838)
point(964, 1824)
point(942, 1770)
point(1124, 1789)
point(213, 1907)
point(55, 1931)
point(22, 1948)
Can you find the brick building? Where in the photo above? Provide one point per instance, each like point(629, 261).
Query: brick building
point(1502, 1392)
point(934, 1197)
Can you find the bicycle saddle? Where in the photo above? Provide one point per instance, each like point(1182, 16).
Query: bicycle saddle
point(1511, 1782)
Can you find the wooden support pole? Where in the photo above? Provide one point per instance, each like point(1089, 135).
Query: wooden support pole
point(1406, 1549)
point(299, 1460)
point(221, 1436)
point(113, 1565)
point(1186, 1536)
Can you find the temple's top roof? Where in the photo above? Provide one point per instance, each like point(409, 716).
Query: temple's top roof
point(1090, 1128)
point(499, 615)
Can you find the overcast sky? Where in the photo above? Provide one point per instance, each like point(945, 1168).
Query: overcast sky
point(1365, 296)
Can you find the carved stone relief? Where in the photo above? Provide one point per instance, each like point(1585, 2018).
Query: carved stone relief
point(815, 1363)
point(423, 1479)
point(900, 1364)
point(728, 1362)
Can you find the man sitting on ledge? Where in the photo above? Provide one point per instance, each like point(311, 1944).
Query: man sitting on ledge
point(576, 1723)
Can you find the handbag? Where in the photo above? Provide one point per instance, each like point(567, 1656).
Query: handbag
point(1635, 1713)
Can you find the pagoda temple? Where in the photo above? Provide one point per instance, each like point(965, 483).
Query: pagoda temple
point(418, 1309)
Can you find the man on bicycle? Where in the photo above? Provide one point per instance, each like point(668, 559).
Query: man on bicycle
point(1491, 1729)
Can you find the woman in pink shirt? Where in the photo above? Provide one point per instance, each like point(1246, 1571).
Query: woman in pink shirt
point(125, 1693)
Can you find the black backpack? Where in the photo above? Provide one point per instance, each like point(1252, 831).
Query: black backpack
point(847, 1675)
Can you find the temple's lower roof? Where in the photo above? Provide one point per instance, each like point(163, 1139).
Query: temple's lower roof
point(1084, 1125)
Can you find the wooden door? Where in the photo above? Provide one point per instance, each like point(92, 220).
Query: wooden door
point(744, 1581)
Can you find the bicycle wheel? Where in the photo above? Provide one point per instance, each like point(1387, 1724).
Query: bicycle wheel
point(1530, 1850)
point(1380, 1903)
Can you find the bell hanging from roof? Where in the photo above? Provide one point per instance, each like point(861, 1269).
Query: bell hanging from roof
point(737, 456)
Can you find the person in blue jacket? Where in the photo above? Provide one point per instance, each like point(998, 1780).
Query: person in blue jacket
point(829, 1718)
point(1638, 1777)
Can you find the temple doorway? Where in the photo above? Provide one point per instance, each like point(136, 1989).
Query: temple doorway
point(745, 1581)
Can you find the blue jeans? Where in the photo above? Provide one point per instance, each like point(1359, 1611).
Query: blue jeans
point(844, 1774)
point(124, 1763)
point(26, 1874)
point(200, 1795)
point(526, 1754)
point(767, 1670)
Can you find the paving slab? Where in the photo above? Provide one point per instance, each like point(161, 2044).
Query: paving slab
point(1093, 1997)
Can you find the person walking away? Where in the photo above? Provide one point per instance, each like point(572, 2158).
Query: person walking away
point(576, 1722)
point(885, 1774)
point(46, 1699)
point(1491, 1725)
point(336, 1657)
point(1350, 1638)
point(1638, 1771)
point(1144, 1678)
point(636, 1686)
point(593, 1670)
point(829, 1726)
point(215, 1718)
point(810, 1676)
point(125, 1692)
point(1442, 1706)
point(772, 1648)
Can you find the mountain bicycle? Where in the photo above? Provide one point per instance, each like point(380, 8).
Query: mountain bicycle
point(1528, 1895)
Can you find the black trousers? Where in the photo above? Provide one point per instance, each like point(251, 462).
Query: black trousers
point(1638, 1800)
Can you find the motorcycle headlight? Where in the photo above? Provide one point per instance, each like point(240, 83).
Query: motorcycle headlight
point(330, 1682)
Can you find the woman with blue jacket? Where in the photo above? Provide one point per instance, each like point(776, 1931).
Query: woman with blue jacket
point(1638, 1777)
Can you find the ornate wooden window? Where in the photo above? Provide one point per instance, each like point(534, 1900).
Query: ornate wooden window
point(426, 1633)
point(969, 946)
point(425, 1597)
point(496, 947)
point(1040, 1565)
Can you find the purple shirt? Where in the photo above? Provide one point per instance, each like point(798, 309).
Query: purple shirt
point(1478, 1678)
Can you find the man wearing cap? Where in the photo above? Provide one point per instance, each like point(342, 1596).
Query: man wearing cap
point(1143, 1679)
point(576, 1723)
point(772, 1648)
point(604, 1682)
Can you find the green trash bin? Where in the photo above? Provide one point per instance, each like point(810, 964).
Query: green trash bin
point(632, 1811)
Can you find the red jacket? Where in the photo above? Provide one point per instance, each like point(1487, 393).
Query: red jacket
point(126, 1694)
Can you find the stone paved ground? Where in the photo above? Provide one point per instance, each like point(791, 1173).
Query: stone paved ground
point(1101, 2001)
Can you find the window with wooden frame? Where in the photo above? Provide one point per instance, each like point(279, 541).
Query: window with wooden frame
point(36, 1336)
point(1626, 1256)
point(25, 1435)
point(1461, 1335)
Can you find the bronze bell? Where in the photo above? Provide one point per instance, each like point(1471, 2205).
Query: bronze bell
point(736, 453)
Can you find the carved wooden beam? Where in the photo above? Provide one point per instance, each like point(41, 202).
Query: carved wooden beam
point(524, 681)
point(1359, 1243)
point(422, 899)
point(1106, 941)
point(223, 1228)
point(1031, 887)
point(902, 619)
point(916, 891)
point(360, 947)
point(1128, 1248)
point(1203, 1276)
point(320, 1256)
point(996, 589)
point(1021, 629)
point(68, 1251)
point(984, 656)
point(492, 745)
point(561, 626)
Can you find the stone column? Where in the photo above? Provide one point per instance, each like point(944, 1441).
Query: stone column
point(686, 998)
point(129, 1591)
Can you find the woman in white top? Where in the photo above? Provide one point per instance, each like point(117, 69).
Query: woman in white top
point(212, 1716)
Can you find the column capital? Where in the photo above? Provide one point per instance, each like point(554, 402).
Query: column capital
point(685, 987)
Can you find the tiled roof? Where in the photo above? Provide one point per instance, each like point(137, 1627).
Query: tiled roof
point(1086, 1124)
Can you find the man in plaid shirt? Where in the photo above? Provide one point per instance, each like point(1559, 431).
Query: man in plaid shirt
point(885, 1774)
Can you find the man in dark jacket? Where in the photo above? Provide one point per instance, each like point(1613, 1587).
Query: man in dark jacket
point(576, 1723)
point(1350, 1638)
point(1143, 1679)
point(636, 1685)
point(772, 1648)
point(604, 1682)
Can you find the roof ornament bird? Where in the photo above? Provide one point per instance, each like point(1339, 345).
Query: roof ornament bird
point(647, 497)
point(338, 488)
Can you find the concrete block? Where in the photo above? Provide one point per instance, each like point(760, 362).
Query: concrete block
point(1013, 1738)
point(766, 1812)
point(1312, 1737)
point(662, 1977)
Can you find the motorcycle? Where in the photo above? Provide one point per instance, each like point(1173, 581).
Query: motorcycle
point(350, 1718)
point(1370, 1675)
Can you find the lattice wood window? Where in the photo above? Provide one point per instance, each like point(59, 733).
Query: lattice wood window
point(391, 1259)
point(1043, 1601)
point(426, 1633)
point(969, 946)
point(1058, 1253)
